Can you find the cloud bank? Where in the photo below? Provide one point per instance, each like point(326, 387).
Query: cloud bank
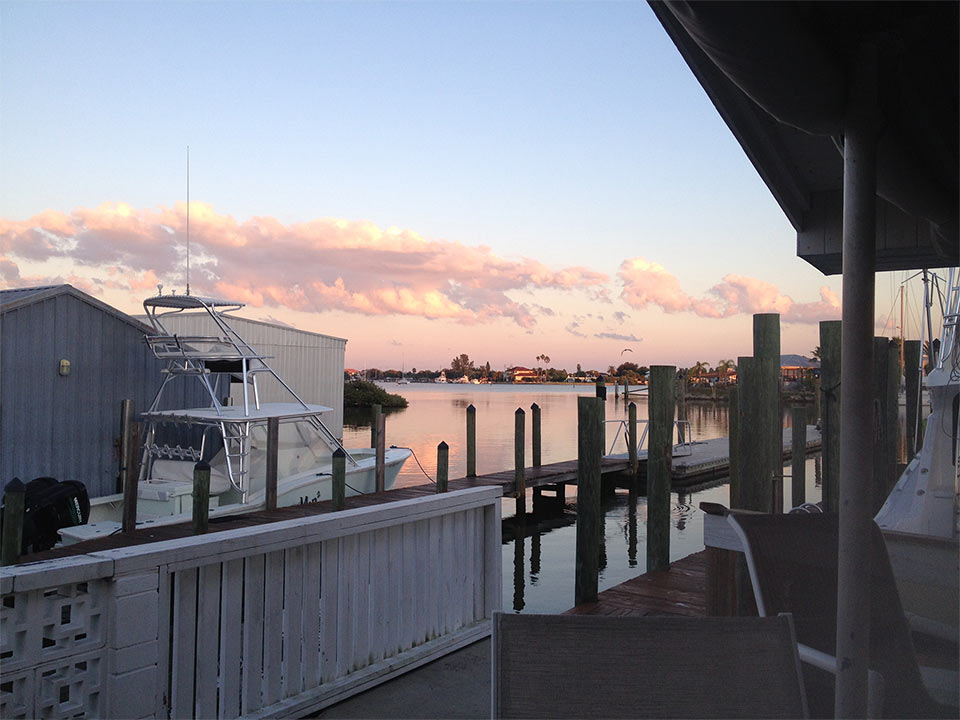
point(648, 283)
point(326, 264)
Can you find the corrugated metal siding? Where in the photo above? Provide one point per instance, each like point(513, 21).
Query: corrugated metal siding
point(310, 363)
point(65, 427)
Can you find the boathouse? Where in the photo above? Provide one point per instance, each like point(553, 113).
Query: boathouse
point(67, 361)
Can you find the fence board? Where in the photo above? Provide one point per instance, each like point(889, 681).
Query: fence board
point(184, 643)
point(345, 621)
point(231, 637)
point(208, 640)
point(329, 599)
point(292, 620)
point(311, 615)
point(379, 580)
point(272, 627)
point(253, 586)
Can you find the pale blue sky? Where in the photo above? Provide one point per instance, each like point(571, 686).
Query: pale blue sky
point(571, 133)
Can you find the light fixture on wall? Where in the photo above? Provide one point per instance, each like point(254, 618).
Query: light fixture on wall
point(64, 368)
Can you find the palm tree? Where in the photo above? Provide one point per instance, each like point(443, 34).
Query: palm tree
point(723, 367)
point(698, 368)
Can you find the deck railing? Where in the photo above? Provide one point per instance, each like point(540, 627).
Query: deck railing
point(278, 619)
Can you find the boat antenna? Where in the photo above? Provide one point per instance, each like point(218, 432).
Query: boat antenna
point(188, 219)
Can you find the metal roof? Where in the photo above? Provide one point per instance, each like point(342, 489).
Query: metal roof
point(7, 296)
point(777, 72)
point(15, 299)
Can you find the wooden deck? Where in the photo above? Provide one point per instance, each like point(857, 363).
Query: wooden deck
point(681, 590)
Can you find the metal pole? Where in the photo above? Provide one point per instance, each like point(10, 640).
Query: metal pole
point(856, 367)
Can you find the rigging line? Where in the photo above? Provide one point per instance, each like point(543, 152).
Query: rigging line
point(413, 452)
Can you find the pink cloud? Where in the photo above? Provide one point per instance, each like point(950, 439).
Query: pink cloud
point(648, 283)
point(324, 264)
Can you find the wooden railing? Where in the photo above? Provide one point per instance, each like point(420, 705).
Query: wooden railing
point(281, 619)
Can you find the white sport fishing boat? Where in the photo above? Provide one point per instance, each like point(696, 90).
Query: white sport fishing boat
point(920, 519)
point(232, 439)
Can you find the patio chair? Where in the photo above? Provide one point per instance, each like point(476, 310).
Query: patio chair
point(792, 561)
point(561, 666)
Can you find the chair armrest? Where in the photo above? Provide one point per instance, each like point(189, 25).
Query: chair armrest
point(825, 661)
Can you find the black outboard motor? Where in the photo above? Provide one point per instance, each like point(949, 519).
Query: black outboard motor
point(49, 505)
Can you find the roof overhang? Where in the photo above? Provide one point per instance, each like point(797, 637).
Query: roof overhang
point(777, 74)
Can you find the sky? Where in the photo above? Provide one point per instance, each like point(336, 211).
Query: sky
point(505, 180)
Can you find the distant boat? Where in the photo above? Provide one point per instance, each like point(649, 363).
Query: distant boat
point(231, 438)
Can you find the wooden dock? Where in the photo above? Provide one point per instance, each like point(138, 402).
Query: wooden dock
point(681, 590)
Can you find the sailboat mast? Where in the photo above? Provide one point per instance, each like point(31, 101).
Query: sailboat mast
point(188, 219)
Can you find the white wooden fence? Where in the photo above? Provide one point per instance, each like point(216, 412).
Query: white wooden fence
point(273, 620)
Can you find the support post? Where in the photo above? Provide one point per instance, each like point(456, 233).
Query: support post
point(471, 441)
point(128, 519)
point(911, 364)
point(589, 513)
point(659, 465)
point(753, 490)
point(375, 411)
point(535, 428)
point(734, 443)
point(519, 443)
point(682, 404)
point(886, 381)
point(381, 459)
point(201, 498)
point(339, 483)
point(798, 462)
point(443, 466)
point(273, 449)
point(632, 442)
point(766, 348)
point(126, 429)
point(861, 123)
point(13, 508)
point(830, 359)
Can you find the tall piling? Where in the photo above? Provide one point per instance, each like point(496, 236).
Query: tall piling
point(589, 513)
point(520, 481)
point(734, 444)
point(273, 448)
point(830, 334)
point(632, 443)
point(659, 465)
point(381, 457)
point(766, 348)
point(886, 382)
point(126, 438)
point(798, 462)
point(201, 498)
point(754, 487)
point(339, 482)
point(536, 447)
point(375, 411)
point(443, 466)
point(682, 405)
point(471, 441)
point(13, 510)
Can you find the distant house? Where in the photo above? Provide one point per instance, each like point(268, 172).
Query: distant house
point(521, 374)
point(352, 373)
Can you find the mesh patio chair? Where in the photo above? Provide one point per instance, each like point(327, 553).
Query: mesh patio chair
point(563, 666)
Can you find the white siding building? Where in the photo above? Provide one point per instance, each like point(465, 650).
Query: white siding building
point(310, 363)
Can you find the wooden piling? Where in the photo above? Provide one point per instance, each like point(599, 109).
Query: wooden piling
point(535, 428)
point(339, 480)
point(381, 446)
point(734, 444)
point(201, 498)
point(471, 441)
point(443, 466)
point(632, 442)
point(13, 509)
point(126, 430)
point(375, 411)
point(659, 461)
point(753, 491)
point(681, 406)
point(911, 372)
point(519, 446)
point(589, 513)
point(273, 449)
point(798, 462)
point(128, 519)
point(601, 389)
point(766, 348)
point(830, 332)
point(886, 382)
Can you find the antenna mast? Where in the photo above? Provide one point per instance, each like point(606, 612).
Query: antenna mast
point(188, 219)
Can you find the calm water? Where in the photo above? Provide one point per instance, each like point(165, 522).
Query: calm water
point(538, 568)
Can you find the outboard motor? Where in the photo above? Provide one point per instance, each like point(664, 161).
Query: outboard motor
point(49, 505)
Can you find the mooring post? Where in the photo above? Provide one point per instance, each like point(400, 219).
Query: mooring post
point(681, 405)
point(663, 383)
point(128, 519)
point(766, 348)
point(798, 458)
point(632, 442)
point(830, 333)
point(589, 513)
point(13, 509)
point(381, 476)
point(339, 483)
point(886, 382)
point(535, 431)
point(601, 388)
point(471, 441)
point(375, 411)
point(733, 393)
point(753, 489)
point(201, 498)
point(519, 446)
point(126, 421)
point(911, 371)
point(443, 466)
point(273, 449)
